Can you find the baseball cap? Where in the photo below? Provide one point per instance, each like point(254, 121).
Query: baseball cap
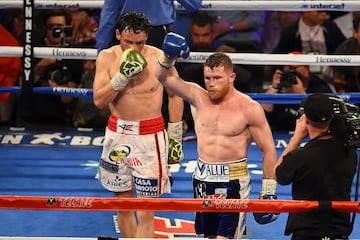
point(318, 107)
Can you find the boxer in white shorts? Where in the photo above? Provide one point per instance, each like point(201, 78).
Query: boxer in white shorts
point(134, 156)
point(125, 82)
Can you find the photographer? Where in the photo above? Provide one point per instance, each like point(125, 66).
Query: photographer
point(291, 79)
point(48, 110)
point(322, 170)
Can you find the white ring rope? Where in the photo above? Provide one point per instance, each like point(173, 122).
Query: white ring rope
point(60, 53)
point(348, 5)
point(197, 57)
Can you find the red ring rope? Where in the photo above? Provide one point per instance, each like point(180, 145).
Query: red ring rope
point(166, 204)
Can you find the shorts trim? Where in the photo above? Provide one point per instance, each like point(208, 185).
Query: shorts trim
point(142, 127)
point(221, 172)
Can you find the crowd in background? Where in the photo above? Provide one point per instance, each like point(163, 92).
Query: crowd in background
point(310, 32)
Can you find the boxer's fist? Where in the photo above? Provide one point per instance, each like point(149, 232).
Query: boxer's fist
point(268, 190)
point(131, 63)
point(176, 154)
point(264, 218)
point(174, 46)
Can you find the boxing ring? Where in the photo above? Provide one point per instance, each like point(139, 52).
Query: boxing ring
point(48, 188)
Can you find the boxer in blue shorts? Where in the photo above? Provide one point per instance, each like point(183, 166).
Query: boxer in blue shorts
point(226, 121)
point(221, 181)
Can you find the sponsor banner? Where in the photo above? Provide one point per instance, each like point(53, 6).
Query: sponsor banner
point(77, 138)
point(52, 138)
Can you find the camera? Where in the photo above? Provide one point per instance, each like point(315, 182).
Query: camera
point(62, 31)
point(288, 78)
point(61, 75)
point(346, 122)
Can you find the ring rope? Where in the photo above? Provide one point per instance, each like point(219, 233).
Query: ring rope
point(197, 57)
point(285, 98)
point(160, 204)
point(167, 204)
point(349, 5)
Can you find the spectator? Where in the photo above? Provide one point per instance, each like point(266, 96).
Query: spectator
point(50, 110)
point(239, 29)
point(322, 170)
point(312, 34)
point(87, 114)
point(282, 117)
point(13, 21)
point(182, 23)
point(161, 13)
point(85, 27)
point(203, 40)
point(277, 21)
point(344, 21)
point(291, 79)
point(10, 35)
point(346, 78)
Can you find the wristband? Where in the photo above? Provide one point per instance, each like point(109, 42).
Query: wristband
point(268, 187)
point(118, 81)
point(165, 61)
point(175, 130)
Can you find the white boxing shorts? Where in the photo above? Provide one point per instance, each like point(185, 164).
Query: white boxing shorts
point(134, 155)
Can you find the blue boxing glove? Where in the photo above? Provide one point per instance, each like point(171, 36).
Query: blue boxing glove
point(174, 46)
point(267, 192)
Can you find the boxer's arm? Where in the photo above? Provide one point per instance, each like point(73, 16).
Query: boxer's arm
point(175, 46)
point(262, 135)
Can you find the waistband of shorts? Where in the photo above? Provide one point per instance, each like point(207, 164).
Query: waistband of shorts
point(225, 163)
point(237, 168)
point(141, 127)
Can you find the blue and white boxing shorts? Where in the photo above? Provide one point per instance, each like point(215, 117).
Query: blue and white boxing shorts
point(221, 181)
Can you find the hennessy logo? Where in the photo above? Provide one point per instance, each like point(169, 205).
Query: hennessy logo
point(332, 60)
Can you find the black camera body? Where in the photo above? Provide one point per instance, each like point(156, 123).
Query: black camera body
point(61, 75)
point(346, 122)
point(62, 31)
point(288, 78)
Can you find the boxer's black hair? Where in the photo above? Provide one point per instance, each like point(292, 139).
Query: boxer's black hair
point(134, 21)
